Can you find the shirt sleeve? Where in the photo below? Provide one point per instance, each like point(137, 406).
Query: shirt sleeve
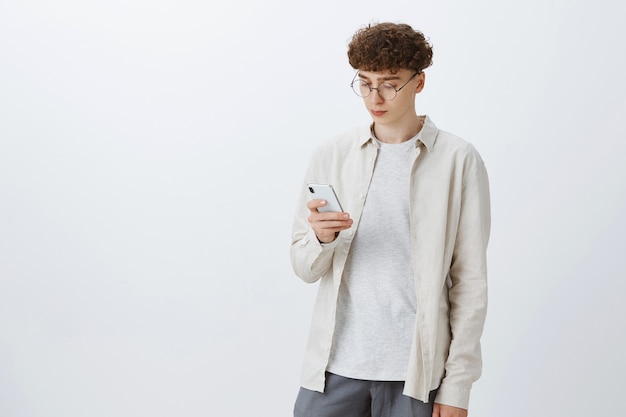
point(310, 259)
point(467, 282)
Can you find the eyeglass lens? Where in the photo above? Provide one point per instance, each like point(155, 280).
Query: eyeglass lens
point(363, 89)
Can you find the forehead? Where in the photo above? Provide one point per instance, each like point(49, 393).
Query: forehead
point(385, 75)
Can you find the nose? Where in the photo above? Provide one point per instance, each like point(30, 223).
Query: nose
point(375, 97)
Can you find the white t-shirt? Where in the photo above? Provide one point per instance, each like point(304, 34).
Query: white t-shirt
point(377, 304)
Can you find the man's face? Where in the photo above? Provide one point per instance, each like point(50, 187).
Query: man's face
point(399, 109)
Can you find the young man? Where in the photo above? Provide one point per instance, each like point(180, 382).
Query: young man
point(402, 272)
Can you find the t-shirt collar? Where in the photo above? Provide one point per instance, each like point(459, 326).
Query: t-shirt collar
point(427, 135)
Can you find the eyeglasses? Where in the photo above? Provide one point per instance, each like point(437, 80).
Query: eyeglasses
point(387, 91)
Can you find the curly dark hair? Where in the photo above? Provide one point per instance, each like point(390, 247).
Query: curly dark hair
point(389, 47)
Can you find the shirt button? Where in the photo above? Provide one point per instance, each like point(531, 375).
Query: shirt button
point(361, 196)
point(350, 232)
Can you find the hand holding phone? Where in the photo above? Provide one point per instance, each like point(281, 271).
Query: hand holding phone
point(328, 219)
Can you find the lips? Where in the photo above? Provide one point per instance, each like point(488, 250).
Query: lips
point(378, 113)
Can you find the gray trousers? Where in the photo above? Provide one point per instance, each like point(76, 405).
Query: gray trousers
point(346, 397)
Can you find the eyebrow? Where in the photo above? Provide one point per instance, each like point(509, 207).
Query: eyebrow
point(386, 78)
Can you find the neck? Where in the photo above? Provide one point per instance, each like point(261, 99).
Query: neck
point(399, 133)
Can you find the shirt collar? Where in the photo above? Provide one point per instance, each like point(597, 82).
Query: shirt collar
point(427, 135)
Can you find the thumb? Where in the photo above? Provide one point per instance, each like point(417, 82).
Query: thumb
point(436, 412)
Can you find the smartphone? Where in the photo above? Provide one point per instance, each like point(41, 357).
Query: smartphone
point(325, 192)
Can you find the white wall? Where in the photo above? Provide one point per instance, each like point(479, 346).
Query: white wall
point(151, 153)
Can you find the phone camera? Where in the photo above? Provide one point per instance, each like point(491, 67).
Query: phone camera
point(311, 189)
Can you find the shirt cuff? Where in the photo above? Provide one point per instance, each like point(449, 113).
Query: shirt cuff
point(453, 395)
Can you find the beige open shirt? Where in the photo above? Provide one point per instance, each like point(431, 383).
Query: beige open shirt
point(450, 224)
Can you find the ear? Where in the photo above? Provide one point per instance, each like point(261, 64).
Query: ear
point(421, 80)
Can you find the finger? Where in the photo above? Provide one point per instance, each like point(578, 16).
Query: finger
point(331, 224)
point(314, 204)
point(329, 217)
point(436, 410)
point(326, 235)
point(316, 216)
